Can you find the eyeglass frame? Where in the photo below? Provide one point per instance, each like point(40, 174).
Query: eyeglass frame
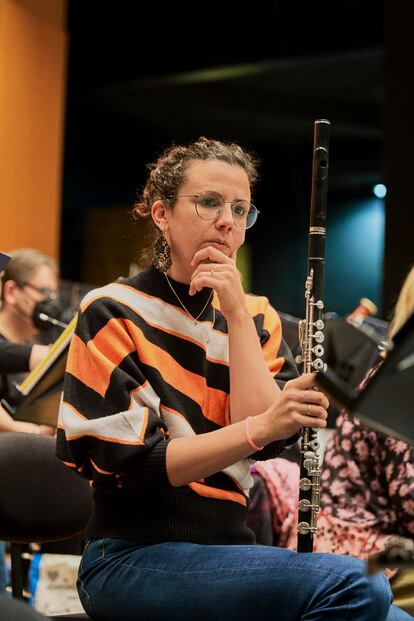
point(48, 293)
point(219, 209)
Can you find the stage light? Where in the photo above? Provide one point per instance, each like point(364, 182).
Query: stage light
point(380, 190)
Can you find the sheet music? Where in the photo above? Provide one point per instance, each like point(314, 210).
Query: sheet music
point(59, 346)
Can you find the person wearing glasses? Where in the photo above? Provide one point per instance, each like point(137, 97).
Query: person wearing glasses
point(176, 379)
point(29, 278)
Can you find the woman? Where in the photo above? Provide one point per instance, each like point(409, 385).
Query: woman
point(367, 482)
point(29, 278)
point(148, 415)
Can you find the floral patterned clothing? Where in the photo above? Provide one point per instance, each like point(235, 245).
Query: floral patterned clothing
point(367, 490)
point(273, 508)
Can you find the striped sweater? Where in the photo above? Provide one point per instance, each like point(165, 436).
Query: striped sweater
point(139, 373)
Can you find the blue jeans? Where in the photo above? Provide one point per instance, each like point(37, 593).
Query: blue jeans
point(119, 579)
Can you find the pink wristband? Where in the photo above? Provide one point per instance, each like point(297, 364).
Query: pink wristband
point(249, 437)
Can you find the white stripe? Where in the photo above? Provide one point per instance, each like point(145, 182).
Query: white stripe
point(179, 427)
point(146, 396)
point(240, 472)
point(121, 427)
point(159, 313)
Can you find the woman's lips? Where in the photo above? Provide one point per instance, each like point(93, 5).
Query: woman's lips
point(217, 244)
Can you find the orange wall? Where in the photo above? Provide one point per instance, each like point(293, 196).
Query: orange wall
point(33, 47)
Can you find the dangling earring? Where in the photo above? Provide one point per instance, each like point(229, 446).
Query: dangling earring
point(162, 254)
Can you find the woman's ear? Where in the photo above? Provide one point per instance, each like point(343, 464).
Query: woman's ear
point(159, 214)
point(9, 292)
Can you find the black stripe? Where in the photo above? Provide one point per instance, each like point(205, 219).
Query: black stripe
point(90, 403)
point(169, 395)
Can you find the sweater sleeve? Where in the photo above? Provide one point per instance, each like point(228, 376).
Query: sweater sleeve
point(14, 357)
point(281, 364)
point(109, 428)
point(277, 354)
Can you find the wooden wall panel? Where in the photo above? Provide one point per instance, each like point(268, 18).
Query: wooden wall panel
point(33, 50)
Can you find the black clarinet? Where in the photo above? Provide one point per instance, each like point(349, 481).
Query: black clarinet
point(311, 334)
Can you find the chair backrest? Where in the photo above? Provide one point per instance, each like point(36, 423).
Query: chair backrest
point(40, 498)
point(13, 610)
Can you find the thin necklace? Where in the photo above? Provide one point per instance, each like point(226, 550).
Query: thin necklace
point(194, 319)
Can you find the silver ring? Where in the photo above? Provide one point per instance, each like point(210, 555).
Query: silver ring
point(309, 410)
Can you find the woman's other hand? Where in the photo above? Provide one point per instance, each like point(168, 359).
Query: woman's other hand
point(298, 405)
point(216, 270)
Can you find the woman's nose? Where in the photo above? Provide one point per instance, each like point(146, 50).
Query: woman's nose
point(225, 216)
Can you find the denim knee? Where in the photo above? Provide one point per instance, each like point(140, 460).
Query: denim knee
point(348, 587)
point(381, 595)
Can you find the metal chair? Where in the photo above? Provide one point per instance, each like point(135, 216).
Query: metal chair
point(41, 500)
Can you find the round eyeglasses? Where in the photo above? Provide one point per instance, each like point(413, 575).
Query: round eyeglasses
point(209, 206)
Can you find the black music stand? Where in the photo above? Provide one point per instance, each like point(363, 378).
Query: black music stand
point(386, 404)
point(43, 386)
point(350, 348)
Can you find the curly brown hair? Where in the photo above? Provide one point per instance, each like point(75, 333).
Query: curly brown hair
point(167, 175)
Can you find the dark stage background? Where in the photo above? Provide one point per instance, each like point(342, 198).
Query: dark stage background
point(142, 75)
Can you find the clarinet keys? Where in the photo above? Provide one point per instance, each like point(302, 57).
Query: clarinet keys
point(304, 528)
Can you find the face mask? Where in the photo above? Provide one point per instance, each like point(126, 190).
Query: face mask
point(47, 312)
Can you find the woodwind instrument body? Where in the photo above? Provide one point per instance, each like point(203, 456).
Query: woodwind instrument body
point(311, 334)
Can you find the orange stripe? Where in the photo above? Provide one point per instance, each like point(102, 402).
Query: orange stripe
point(100, 469)
point(144, 425)
point(214, 403)
point(276, 366)
point(220, 494)
point(271, 322)
point(94, 363)
point(273, 325)
point(257, 304)
point(70, 464)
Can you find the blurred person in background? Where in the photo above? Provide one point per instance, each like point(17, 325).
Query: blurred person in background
point(29, 278)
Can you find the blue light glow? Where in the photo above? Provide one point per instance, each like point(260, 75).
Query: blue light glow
point(354, 254)
point(380, 190)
